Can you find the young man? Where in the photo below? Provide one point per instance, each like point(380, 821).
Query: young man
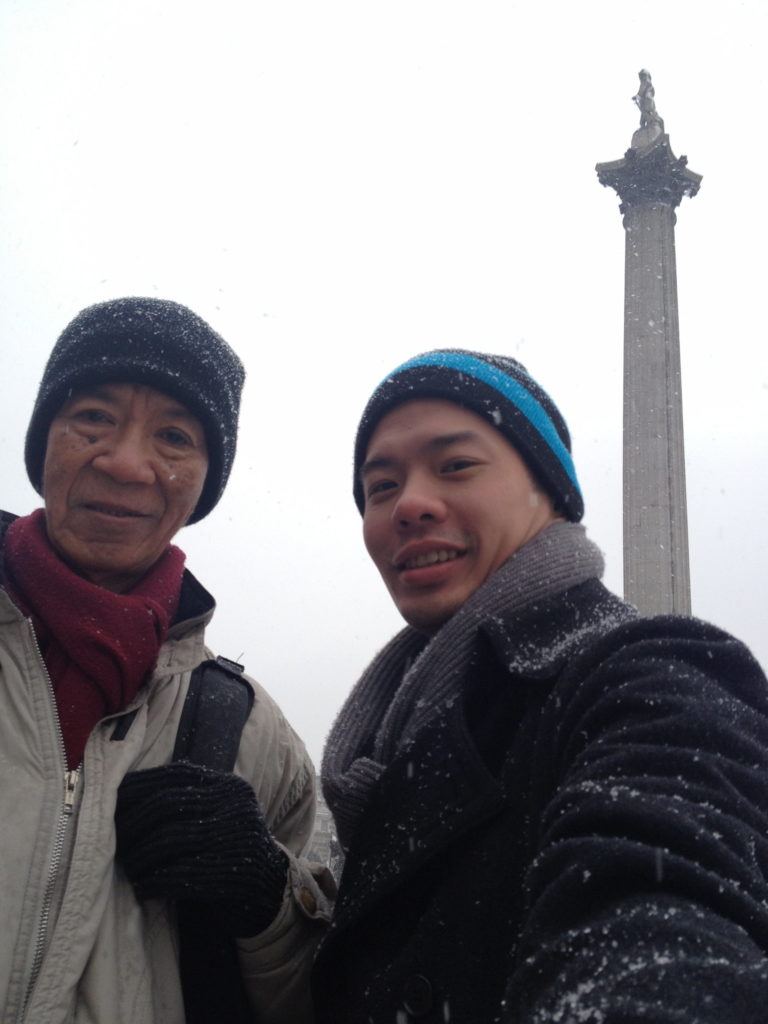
point(552, 809)
point(111, 857)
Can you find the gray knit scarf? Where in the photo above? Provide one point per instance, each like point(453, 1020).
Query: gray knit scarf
point(413, 676)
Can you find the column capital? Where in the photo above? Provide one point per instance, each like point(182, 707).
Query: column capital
point(649, 173)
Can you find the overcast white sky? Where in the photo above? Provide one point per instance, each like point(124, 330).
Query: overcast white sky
point(338, 185)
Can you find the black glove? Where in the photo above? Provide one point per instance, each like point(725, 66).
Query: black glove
point(185, 832)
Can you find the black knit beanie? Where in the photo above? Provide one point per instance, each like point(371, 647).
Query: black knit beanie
point(499, 390)
point(146, 341)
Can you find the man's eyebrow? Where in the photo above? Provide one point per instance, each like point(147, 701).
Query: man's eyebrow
point(433, 444)
point(180, 412)
point(371, 465)
point(446, 440)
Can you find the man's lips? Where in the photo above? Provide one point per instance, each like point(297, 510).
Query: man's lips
point(424, 558)
point(117, 511)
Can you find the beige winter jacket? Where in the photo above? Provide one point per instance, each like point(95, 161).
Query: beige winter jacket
point(75, 945)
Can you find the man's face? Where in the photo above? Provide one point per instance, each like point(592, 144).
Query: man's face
point(124, 468)
point(447, 501)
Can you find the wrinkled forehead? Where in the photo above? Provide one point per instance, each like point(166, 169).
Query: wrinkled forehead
point(121, 392)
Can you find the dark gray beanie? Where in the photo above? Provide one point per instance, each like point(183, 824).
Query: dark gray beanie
point(154, 342)
point(498, 389)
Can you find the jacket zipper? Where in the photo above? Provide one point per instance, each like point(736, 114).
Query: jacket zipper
point(71, 779)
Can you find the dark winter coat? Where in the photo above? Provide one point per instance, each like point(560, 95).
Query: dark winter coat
point(583, 839)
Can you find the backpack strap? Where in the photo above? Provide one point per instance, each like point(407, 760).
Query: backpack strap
point(217, 705)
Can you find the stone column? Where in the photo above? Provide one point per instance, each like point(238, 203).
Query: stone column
point(651, 182)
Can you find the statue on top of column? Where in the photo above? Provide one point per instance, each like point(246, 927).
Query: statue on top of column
point(645, 101)
point(651, 125)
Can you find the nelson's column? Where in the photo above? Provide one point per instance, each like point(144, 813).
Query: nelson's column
point(651, 182)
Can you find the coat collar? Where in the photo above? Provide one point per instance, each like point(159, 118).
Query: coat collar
point(536, 641)
point(6, 518)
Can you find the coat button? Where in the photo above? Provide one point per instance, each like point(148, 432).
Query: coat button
point(308, 901)
point(417, 995)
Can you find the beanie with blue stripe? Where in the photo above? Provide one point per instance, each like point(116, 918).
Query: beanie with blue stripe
point(498, 389)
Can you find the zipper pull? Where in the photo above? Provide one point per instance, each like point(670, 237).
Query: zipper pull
point(70, 785)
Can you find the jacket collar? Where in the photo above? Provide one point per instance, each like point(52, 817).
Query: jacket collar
point(536, 641)
point(195, 604)
point(6, 518)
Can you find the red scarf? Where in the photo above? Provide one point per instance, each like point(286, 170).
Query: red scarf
point(98, 647)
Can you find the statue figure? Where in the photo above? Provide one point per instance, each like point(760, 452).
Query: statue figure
point(644, 99)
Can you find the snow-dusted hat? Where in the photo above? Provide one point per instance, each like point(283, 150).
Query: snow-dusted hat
point(500, 390)
point(154, 342)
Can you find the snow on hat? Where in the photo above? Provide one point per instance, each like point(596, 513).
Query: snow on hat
point(154, 342)
point(498, 389)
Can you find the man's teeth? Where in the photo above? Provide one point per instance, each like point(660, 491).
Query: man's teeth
point(113, 511)
point(430, 559)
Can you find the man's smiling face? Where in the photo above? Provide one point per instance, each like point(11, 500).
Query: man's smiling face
point(447, 501)
point(124, 468)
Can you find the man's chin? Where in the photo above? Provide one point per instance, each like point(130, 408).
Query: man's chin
point(108, 566)
point(427, 616)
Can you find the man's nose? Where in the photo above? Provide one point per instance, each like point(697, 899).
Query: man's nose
point(126, 459)
point(419, 501)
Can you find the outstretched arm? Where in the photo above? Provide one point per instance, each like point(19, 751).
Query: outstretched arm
point(648, 899)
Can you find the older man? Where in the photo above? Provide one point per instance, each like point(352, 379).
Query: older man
point(553, 810)
point(101, 630)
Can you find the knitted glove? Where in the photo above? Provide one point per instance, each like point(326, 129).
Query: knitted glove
point(186, 832)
